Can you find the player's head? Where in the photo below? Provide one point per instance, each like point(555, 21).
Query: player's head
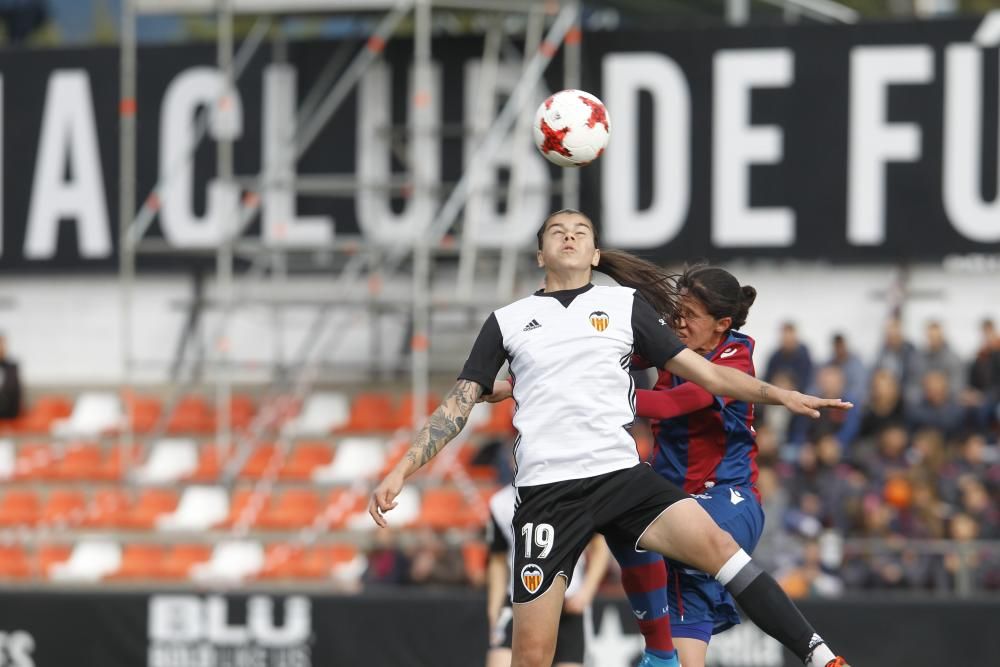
point(712, 303)
point(567, 240)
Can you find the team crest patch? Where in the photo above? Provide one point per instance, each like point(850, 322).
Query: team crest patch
point(531, 577)
point(600, 320)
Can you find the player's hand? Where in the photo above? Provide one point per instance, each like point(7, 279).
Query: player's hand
point(502, 390)
point(384, 497)
point(804, 404)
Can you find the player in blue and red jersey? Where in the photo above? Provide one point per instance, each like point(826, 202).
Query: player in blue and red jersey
point(705, 444)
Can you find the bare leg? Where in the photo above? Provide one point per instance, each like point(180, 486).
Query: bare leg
point(691, 652)
point(686, 532)
point(536, 626)
point(498, 657)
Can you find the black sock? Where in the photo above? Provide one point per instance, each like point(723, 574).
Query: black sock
point(767, 605)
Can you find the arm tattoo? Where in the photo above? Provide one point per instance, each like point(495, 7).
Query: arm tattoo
point(445, 423)
point(763, 392)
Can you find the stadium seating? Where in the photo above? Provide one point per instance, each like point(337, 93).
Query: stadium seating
point(90, 560)
point(354, 459)
point(95, 413)
point(305, 459)
point(178, 561)
point(370, 413)
point(230, 561)
point(170, 460)
point(19, 508)
point(140, 561)
point(152, 504)
point(293, 509)
point(14, 562)
point(199, 508)
point(8, 458)
point(63, 507)
point(322, 413)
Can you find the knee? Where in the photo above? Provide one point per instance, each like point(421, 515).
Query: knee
point(722, 545)
point(532, 650)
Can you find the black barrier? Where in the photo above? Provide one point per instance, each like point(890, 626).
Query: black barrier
point(426, 629)
point(875, 142)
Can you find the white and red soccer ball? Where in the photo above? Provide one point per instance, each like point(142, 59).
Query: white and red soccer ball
point(571, 128)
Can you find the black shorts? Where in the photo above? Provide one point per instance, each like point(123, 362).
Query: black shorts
point(553, 523)
point(570, 642)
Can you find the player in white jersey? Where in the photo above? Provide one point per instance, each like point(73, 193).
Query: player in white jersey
point(578, 470)
point(587, 576)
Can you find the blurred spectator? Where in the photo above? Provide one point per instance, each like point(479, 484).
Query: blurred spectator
point(984, 373)
point(434, 562)
point(814, 577)
point(855, 374)
point(890, 455)
point(977, 504)
point(898, 355)
point(387, 564)
point(936, 405)
point(10, 385)
point(971, 569)
point(842, 423)
point(884, 405)
point(984, 378)
point(791, 357)
point(937, 355)
point(22, 17)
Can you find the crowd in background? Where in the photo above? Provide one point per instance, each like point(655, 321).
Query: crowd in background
point(902, 492)
point(915, 461)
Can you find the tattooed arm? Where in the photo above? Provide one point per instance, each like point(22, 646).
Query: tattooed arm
point(444, 424)
point(725, 381)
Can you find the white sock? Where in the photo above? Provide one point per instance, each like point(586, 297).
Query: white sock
point(732, 567)
point(820, 656)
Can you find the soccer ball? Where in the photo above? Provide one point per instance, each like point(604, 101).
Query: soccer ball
point(571, 128)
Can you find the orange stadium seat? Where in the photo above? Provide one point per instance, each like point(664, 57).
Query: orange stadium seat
point(143, 411)
point(442, 509)
point(79, 461)
point(106, 508)
point(151, 505)
point(500, 421)
point(403, 416)
point(63, 507)
point(257, 464)
point(191, 414)
point(241, 500)
point(241, 411)
point(19, 508)
point(44, 411)
point(341, 505)
point(140, 561)
point(370, 413)
point(475, 554)
point(34, 461)
point(295, 508)
point(180, 558)
point(50, 555)
point(209, 465)
point(306, 457)
point(116, 459)
point(280, 561)
point(14, 562)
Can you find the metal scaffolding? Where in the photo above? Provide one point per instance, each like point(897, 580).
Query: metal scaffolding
point(550, 24)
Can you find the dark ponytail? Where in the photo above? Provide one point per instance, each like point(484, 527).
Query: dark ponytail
point(719, 291)
point(657, 286)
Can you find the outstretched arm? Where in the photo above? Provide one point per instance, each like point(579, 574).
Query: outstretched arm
point(445, 423)
point(725, 381)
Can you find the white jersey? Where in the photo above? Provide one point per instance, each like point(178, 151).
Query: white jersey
point(569, 355)
point(500, 536)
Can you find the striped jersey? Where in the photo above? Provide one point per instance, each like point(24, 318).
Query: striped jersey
point(714, 445)
point(569, 353)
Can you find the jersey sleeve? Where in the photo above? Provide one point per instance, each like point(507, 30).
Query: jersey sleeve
point(669, 403)
point(487, 356)
point(655, 341)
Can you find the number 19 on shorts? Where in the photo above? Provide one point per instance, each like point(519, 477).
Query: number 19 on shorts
point(543, 535)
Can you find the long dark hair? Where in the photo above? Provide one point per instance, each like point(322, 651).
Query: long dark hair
point(656, 285)
point(719, 290)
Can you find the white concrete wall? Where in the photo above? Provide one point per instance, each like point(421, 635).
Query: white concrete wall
point(66, 330)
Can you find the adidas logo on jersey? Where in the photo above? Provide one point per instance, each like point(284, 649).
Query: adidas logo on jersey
point(533, 324)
